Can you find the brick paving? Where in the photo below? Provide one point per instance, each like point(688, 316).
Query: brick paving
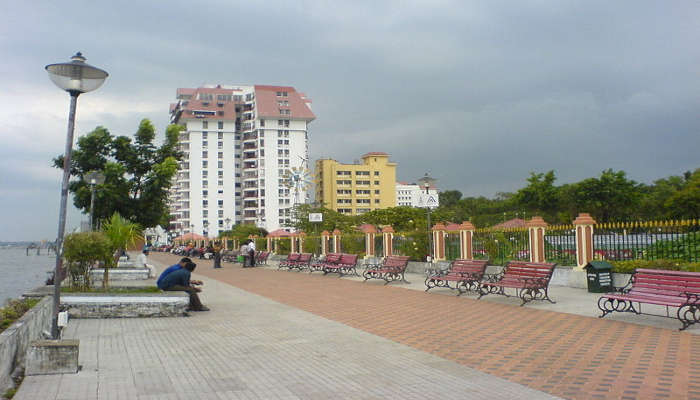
point(562, 354)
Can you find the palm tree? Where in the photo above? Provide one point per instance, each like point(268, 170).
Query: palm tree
point(121, 233)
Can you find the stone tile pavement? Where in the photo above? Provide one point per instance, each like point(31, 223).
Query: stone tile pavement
point(566, 355)
point(252, 347)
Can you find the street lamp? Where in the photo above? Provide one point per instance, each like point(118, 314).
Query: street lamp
point(94, 178)
point(426, 182)
point(75, 77)
point(228, 223)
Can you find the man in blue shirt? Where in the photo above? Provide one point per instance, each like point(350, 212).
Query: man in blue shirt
point(173, 268)
point(179, 280)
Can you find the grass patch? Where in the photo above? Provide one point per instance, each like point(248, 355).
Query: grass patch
point(14, 311)
point(10, 393)
point(123, 290)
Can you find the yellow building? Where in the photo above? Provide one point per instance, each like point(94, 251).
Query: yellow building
point(355, 189)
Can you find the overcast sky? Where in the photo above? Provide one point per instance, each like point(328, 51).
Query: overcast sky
point(478, 93)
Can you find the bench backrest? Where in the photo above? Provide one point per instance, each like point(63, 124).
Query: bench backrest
point(523, 269)
point(332, 258)
point(666, 283)
point(348, 259)
point(293, 256)
point(305, 257)
point(396, 262)
point(469, 267)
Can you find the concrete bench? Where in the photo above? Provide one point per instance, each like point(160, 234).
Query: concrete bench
point(120, 274)
point(136, 305)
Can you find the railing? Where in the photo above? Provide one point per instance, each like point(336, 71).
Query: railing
point(379, 245)
point(501, 245)
point(412, 244)
point(353, 244)
point(560, 244)
point(453, 246)
point(311, 244)
point(649, 240)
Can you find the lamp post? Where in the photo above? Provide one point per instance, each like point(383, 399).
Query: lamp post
point(94, 178)
point(75, 77)
point(426, 182)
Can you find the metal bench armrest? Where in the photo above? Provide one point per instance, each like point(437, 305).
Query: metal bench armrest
point(534, 282)
point(692, 298)
point(493, 277)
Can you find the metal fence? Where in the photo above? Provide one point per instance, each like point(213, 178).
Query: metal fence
point(379, 245)
point(648, 240)
point(312, 244)
point(560, 244)
point(353, 244)
point(501, 245)
point(411, 244)
point(453, 246)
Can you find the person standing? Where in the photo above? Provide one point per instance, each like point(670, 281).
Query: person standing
point(251, 251)
point(217, 256)
point(244, 253)
point(142, 262)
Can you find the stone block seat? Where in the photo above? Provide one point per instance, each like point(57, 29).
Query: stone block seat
point(125, 305)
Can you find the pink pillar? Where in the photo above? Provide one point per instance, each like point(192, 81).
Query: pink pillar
point(337, 248)
point(438, 242)
point(584, 239)
point(536, 229)
point(466, 234)
point(325, 237)
point(388, 236)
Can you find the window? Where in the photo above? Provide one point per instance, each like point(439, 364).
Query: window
point(376, 201)
point(220, 164)
point(343, 182)
point(221, 214)
point(221, 145)
point(205, 143)
point(205, 124)
point(286, 122)
point(221, 174)
point(262, 122)
point(221, 155)
point(221, 135)
point(376, 173)
point(205, 203)
point(363, 201)
point(220, 183)
point(376, 182)
point(280, 122)
point(282, 94)
point(221, 203)
point(205, 174)
point(362, 182)
point(205, 154)
point(205, 213)
point(205, 183)
point(285, 111)
point(364, 173)
point(220, 124)
point(362, 192)
point(343, 173)
point(204, 135)
point(376, 192)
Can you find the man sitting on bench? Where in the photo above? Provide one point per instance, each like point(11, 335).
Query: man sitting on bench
point(179, 280)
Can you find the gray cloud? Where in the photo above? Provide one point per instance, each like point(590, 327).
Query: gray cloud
point(477, 93)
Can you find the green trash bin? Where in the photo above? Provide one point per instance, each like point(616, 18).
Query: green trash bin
point(599, 277)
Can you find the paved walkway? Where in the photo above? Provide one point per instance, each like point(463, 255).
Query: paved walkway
point(566, 355)
point(253, 347)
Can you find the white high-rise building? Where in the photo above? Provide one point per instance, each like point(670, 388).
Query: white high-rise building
point(407, 194)
point(240, 144)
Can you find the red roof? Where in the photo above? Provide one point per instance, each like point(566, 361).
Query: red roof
point(191, 236)
point(267, 105)
point(279, 233)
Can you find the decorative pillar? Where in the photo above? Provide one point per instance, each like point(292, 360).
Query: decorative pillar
point(337, 248)
point(438, 241)
point(584, 239)
point(325, 237)
point(536, 229)
point(388, 236)
point(269, 244)
point(293, 243)
point(370, 232)
point(466, 235)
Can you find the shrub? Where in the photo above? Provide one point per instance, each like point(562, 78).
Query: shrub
point(14, 310)
point(353, 244)
point(628, 267)
point(83, 250)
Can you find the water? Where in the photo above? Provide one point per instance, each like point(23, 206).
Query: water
point(19, 272)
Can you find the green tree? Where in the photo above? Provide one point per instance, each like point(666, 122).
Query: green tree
point(243, 231)
point(540, 196)
point(610, 197)
point(137, 173)
point(81, 252)
point(685, 203)
point(450, 198)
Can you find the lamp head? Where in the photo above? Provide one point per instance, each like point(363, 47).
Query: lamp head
point(77, 76)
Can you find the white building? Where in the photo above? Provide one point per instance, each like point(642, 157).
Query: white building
point(407, 194)
point(239, 143)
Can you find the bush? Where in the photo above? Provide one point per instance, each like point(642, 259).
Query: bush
point(628, 267)
point(81, 252)
point(14, 311)
point(353, 244)
point(312, 244)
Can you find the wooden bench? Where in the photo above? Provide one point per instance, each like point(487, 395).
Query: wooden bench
point(291, 258)
point(319, 265)
point(530, 281)
point(665, 288)
point(301, 263)
point(261, 257)
point(465, 274)
point(392, 268)
point(346, 264)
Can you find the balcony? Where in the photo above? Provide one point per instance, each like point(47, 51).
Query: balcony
point(250, 204)
point(249, 214)
point(249, 156)
point(250, 146)
point(250, 175)
point(249, 186)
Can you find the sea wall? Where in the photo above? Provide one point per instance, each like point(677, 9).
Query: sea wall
point(15, 340)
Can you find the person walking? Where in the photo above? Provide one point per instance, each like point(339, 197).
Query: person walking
point(244, 252)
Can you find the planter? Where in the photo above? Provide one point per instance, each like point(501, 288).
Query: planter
point(136, 305)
